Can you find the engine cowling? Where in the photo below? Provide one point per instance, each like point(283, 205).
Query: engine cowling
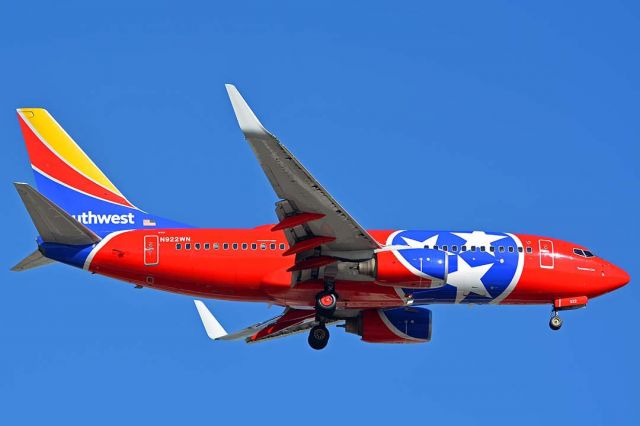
point(409, 268)
point(395, 325)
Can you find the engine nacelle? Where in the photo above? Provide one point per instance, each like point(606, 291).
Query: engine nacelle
point(408, 268)
point(395, 325)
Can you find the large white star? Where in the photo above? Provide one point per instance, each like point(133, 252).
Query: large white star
point(468, 279)
point(479, 239)
point(431, 241)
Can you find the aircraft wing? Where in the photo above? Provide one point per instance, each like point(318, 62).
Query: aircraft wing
point(291, 321)
point(306, 211)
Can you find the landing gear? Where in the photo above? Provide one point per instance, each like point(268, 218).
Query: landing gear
point(319, 337)
point(327, 300)
point(555, 322)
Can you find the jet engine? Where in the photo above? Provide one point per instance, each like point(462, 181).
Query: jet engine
point(408, 268)
point(395, 325)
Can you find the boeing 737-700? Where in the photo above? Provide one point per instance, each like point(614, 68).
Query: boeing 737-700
point(317, 261)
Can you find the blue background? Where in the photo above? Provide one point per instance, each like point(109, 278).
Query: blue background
point(470, 115)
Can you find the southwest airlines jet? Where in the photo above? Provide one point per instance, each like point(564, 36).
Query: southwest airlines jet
point(316, 262)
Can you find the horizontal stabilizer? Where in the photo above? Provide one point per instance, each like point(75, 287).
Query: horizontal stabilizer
point(53, 224)
point(34, 260)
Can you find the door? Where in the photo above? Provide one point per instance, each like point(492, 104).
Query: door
point(151, 250)
point(547, 259)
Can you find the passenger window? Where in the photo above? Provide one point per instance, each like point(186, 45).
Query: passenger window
point(216, 246)
point(187, 246)
point(482, 248)
point(463, 248)
point(196, 246)
point(254, 246)
point(207, 246)
point(501, 249)
point(519, 249)
point(426, 246)
point(492, 249)
point(225, 246)
point(510, 249)
point(245, 246)
point(272, 246)
point(263, 246)
point(435, 247)
point(235, 246)
point(282, 246)
point(473, 248)
point(454, 248)
point(178, 246)
point(444, 248)
point(529, 250)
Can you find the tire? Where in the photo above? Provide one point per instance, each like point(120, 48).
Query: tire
point(555, 322)
point(326, 303)
point(318, 337)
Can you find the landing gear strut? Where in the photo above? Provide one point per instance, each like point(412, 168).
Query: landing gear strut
point(319, 337)
point(555, 322)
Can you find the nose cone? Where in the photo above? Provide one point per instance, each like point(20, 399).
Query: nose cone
point(614, 277)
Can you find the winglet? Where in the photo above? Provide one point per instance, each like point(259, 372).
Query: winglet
point(211, 325)
point(249, 123)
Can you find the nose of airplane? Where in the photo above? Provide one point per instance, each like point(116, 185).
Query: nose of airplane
point(613, 276)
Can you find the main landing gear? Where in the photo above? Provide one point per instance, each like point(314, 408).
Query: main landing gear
point(326, 302)
point(555, 322)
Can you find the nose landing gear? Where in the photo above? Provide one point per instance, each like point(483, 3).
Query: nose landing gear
point(319, 337)
point(555, 322)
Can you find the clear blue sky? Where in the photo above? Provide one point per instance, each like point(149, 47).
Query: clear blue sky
point(470, 115)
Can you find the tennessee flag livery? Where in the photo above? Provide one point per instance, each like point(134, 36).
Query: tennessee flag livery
point(317, 261)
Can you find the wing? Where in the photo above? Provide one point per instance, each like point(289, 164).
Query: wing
point(310, 216)
point(291, 321)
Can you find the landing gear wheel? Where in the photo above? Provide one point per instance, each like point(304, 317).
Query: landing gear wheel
point(555, 322)
point(318, 337)
point(326, 302)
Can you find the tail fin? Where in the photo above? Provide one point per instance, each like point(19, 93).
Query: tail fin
point(67, 176)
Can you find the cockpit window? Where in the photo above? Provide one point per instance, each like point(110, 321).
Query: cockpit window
point(583, 253)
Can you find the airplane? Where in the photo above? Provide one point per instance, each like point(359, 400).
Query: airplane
point(317, 261)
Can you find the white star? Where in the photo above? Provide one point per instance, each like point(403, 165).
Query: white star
point(431, 241)
point(468, 279)
point(479, 239)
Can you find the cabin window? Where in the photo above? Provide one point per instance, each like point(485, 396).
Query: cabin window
point(473, 248)
point(245, 246)
point(492, 249)
point(463, 248)
point(216, 246)
point(235, 246)
point(435, 247)
point(225, 246)
point(529, 250)
point(510, 249)
point(207, 246)
point(519, 249)
point(196, 246)
point(282, 246)
point(187, 246)
point(426, 246)
point(501, 249)
point(444, 248)
point(482, 248)
point(178, 246)
point(272, 246)
point(454, 248)
point(263, 246)
point(254, 246)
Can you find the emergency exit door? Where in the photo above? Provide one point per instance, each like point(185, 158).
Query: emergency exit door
point(151, 250)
